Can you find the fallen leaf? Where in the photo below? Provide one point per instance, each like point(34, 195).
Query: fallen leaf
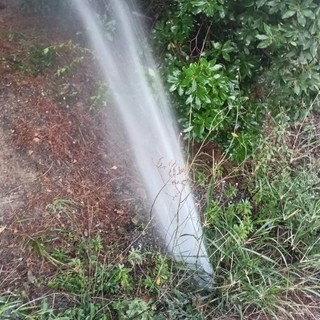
point(31, 278)
point(2, 228)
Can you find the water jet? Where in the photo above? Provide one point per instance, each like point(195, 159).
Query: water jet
point(151, 131)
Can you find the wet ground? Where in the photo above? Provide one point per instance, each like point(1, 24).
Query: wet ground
point(63, 168)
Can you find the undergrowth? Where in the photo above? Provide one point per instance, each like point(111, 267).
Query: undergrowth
point(262, 222)
point(91, 281)
point(262, 228)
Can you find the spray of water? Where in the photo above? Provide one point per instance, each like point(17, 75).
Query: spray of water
point(127, 68)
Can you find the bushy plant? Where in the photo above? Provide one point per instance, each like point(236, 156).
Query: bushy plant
point(140, 286)
point(263, 232)
point(266, 53)
point(207, 96)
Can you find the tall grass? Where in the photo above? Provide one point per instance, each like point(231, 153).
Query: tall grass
point(263, 223)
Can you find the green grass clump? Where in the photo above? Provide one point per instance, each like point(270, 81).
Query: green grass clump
point(263, 231)
point(94, 282)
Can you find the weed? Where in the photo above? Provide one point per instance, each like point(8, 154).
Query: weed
point(136, 257)
point(231, 191)
point(262, 236)
point(12, 308)
point(100, 98)
point(87, 310)
point(180, 304)
point(70, 67)
point(260, 243)
point(40, 58)
point(158, 275)
point(39, 247)
point(73, 279)
point(103, 291)
point(62, 205)
point(133, 309)
point(60, 255)
point(95, 244)
point(43, 6)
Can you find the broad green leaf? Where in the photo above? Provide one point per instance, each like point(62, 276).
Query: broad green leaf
point(314, 49)
point(190, 128)
point(207, 100)
point(262, 37)
point(289, 14)
point(216, 67)
point(301, 19)
point(226, 56)
point(313, 28)
point(260, 3)
point(217, 45)
point(198, 102)
point(297, 89)
point(173, 87)
point(189, 100)
point(193, 86)
point(263, 44)
point(308, 13)
point(267, 29)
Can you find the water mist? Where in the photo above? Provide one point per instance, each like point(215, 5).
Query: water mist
point(141, 102)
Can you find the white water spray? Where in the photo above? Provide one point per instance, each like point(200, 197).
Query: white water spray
point(149, 124)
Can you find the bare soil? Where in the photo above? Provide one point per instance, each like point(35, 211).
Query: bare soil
point(61, 170)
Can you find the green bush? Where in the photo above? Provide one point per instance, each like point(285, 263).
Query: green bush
point(266, 54)
point(207, 95)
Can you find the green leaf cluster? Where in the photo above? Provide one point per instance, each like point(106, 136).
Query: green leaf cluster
point(205, 89)
point(267, 54)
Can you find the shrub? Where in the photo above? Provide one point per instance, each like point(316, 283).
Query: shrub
point(266, 54)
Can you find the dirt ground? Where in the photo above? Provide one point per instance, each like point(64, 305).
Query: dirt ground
point(60, 167)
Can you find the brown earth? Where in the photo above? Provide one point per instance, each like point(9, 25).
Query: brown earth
point(61, 170)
